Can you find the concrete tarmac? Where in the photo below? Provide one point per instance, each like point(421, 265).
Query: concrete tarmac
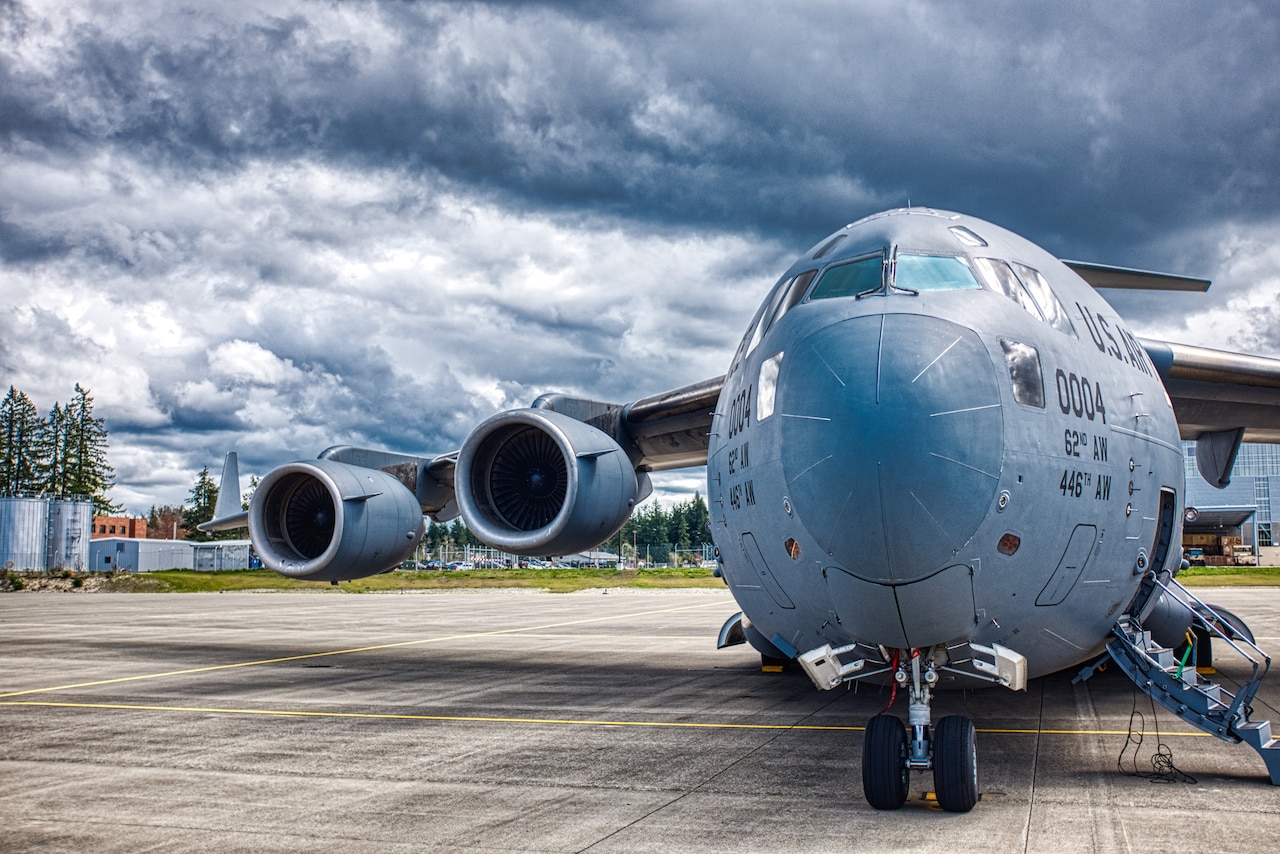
point(520, 722)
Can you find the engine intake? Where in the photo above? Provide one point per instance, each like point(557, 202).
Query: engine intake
point(321, 520)
point(537, 482)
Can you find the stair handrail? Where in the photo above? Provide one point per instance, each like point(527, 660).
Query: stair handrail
point(1244, 696)
point(1181, 590)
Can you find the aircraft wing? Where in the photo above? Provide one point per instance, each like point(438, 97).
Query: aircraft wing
point(665, 431)
point(1127, 278)
point(672, 429)
point(1215, 391)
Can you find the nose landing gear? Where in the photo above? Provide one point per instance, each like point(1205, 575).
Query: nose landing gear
point(892, 750)
point(889, 755)
point(886, 768)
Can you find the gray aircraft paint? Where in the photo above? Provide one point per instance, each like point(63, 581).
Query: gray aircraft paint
point(896, 458)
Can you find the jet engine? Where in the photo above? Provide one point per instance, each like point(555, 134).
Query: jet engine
point(321, 520)
point(537, 482)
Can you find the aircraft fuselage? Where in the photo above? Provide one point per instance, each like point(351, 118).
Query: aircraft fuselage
point(934, 432)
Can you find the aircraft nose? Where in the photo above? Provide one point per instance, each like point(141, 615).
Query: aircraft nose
point(892, 441)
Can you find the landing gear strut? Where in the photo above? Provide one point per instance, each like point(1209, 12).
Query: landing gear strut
point(889, 753)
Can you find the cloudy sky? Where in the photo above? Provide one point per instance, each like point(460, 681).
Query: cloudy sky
point(279, 227)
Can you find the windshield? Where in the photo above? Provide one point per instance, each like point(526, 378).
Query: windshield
point(846, 280)
point(934, 273)
point(913, 272)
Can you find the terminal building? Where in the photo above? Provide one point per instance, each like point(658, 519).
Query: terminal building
point(1241, 514)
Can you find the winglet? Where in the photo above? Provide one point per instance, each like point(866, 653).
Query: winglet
point(227, 514)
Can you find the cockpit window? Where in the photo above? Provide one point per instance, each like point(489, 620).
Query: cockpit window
point(1001, 279)
point(792, 295)
point(1028, 288)
point(752, 338)
point(1054, 312)
point(934, 273)
point(776, 306)
point(851, 279)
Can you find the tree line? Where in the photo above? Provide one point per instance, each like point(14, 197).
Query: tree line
point(61, 455)
point(650, 530)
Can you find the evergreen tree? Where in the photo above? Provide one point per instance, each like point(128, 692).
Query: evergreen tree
point(697, 518)
point(88, 472)
point(51, 452)
point(204, 498)
point(436, 535)
point(20, 427)
point(656, 526)
point(679, 527)
point(460, 535)
point(62, 455)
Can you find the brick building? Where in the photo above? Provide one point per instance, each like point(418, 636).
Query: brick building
point(133, 527)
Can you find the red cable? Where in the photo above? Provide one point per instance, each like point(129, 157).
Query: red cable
point(893, 693)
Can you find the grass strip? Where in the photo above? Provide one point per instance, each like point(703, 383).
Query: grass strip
point(552, 580)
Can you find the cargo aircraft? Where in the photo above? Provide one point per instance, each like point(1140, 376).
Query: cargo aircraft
point(938, 459)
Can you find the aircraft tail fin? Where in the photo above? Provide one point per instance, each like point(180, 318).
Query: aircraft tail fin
point(227, 515)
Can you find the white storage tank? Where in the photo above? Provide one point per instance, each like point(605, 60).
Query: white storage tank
point(70, 529)
point(24, 533)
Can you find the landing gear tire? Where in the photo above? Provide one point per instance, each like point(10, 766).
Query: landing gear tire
point(884, 763)
point(955, 763)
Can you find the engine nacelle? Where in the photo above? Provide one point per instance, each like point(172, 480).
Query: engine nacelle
point(320, 520)
point(537, 482)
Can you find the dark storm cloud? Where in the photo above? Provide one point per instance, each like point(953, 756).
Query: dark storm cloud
point(790, 119)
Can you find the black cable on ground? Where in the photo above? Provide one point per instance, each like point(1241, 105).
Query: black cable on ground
point(1163, 769)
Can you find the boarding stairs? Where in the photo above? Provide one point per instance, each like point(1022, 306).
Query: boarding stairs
point(1175, 683)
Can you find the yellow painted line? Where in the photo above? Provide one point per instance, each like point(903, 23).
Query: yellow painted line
point(1163, 733)
point(420, 642)
point(295, 713)
point(299, 713)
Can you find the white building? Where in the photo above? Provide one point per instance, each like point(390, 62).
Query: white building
point(120, 554)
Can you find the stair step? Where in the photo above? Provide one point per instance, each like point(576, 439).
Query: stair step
point(1257, 734)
